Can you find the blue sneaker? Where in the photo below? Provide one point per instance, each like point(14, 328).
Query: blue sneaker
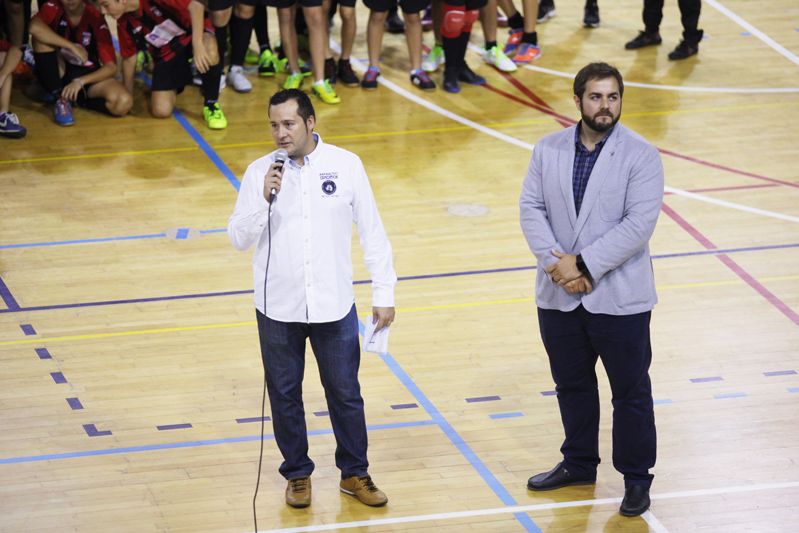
point(62, 111)
point(10, 126)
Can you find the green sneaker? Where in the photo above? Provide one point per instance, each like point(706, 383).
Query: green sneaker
point(305, 68)
point(214, 117)
point(325, 92)
point(293, 81)
point(251, 57)
point(268, 63)
point(433, 59)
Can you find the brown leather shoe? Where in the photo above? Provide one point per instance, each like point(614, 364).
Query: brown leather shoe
point(364, 490)
point(298, 492)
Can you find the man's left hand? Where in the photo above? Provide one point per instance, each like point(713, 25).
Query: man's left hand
point(565, 270)
point(382, 317)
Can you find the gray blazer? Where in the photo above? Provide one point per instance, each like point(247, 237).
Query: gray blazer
point(617, 217)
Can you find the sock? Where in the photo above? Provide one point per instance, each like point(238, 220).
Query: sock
point(260, 23)
point(47, 71)
point(530, 38)
point(490, 44)
point(221, 43)
point(516, 21)
point(210, 87)
point(240, 31)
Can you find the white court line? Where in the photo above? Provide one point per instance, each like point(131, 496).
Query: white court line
point(734, 90)
point(512, 140)
point(754, 31)
point(650, 519)
point(654, 524)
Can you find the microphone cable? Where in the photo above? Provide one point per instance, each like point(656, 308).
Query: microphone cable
point(263, 397)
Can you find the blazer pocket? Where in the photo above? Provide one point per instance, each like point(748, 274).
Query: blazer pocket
point(611, 204)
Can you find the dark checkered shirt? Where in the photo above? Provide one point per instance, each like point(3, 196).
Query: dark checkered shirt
point(583, 165)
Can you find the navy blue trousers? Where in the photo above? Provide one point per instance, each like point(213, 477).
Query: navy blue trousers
point(338, 356)
point(573, 341)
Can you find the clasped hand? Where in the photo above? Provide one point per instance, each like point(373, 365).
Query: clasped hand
point(566, 274)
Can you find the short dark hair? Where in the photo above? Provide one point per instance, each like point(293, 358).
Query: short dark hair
point(304, 106)
point(596, 71)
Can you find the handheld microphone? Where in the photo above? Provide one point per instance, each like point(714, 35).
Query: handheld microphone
point(280, 158)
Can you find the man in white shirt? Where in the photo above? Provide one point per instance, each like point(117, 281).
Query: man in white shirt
point(303, 287)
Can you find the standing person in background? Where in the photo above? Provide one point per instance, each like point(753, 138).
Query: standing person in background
point(589, 205)
point(9, 122)
point(691, 34)
point(299, 215)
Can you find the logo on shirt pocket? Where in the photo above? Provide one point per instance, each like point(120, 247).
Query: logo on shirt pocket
point(329, 187)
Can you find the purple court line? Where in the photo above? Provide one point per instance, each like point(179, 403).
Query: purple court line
point(74, 403)
point(167, 427)
point(27, 329)
point(7, 297)
point(252, 419)
point(404, 406)
point(706, 380)
point(58, 377)
point(363, 282)
point(92, 431)
point(321, 413)
point(726, 395)
point(793, 389)
point(483, 399)
point(779, 373)
point(514, 414)
point(43, 353)
point(548, 393)
point(183, 233)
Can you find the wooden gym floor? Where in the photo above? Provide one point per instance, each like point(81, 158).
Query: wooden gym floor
point(130, 375)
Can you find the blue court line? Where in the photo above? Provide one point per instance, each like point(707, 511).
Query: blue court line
point(189, 444)
point(455, 438)
point(357, 282)
point(515, 414)
point(726, 395)
point(83, 241)
point(8, 298)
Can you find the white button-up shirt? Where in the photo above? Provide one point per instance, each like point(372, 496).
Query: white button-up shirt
point(310, 268)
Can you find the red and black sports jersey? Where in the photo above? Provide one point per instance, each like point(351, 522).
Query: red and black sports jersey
point(163, 26)
point(91, 32)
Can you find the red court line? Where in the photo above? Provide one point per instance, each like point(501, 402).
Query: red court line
point(541, 105)
point(732, 265)
point(731, 188)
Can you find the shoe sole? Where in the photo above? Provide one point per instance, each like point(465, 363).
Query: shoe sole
point(630, 515)
point(348, 493)
point(298, 505)
point(549, 15)
point(570, 484)
point(16, 135)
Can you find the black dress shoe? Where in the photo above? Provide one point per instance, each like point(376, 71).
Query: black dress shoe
point(467, 75)
point(556, 478)
point(644, 39)
point(451, 84)
point(683, 50)
point(635, 502)
point(591, 14)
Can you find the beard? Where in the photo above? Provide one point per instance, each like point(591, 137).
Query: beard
point(599, 127)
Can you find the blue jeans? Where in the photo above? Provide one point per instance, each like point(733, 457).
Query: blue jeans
point(338, 356)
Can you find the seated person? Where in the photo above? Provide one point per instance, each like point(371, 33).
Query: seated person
point(9, 123)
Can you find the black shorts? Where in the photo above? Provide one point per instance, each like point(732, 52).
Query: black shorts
point(408, 6)
point(289, 3)
point(468, 4)
point(173, 75)
point(346, 3)
point(220, 5)
point(74, 71)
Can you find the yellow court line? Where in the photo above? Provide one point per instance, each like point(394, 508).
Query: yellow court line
point(400, 310)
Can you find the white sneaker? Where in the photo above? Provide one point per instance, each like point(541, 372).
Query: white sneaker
point(498, 59)
point(238, 80)
point(433, 59)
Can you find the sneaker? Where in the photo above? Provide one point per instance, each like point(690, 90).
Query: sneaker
point(496, 58)
point(305, 68)
point(420, 78)
point(325, 92)
point(467, 75)
point(330, 70)
point(546, 11)
point(369, 81)
point(527, 53)
point(427, 19)
point(451, 84)
point(251, 57)
point(345, 73)
point(214, 117)
point(591, 14)
point(514, 40)
point(298, 492)
point(394, 23)
point(238, 80)
point(293, 81)
point(268, 64)
point(10, 126)
point(62, 112)
point(502, 20)
point(362, 488)
point(683, 50)
point(433, 59)
point(644, 39)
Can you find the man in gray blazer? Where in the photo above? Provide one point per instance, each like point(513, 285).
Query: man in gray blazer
point(589, 205)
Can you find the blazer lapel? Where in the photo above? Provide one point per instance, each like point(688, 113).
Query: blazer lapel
point(565, 171)
point(598, 175)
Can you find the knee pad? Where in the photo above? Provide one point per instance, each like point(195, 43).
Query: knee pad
point(469, 19)
point(454, 19)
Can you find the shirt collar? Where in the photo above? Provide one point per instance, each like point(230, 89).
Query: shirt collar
point(315, 154)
